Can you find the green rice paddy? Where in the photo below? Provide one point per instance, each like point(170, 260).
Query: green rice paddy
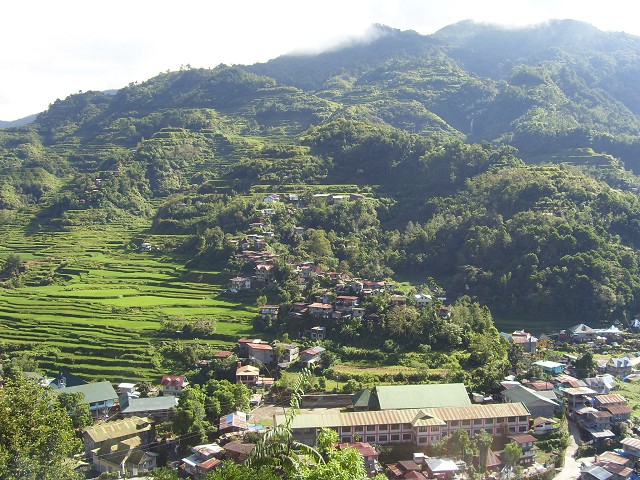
point(100, 316)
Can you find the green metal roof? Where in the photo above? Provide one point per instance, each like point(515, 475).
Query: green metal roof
point(361, 399)
point(422, 396)
point(142, 405)
point(526, 395)
point(93, 392)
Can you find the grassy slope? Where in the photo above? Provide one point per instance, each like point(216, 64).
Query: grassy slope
point(101, 319)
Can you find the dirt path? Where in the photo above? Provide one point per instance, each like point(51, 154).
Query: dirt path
point(571, 469)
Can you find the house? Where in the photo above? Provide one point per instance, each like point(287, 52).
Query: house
point(173, 384)
point(238, 451)
point(526, 443)
point(602, 384)
point(204, 459)
point(233, 422)
point(579, 334)
point(240, 283)
point(100, 396)
point(539, 405)
point(543, 424)
point(406, 469)
point(442, 468)
point(134, 430)
point(619, 413)
point(413, 426)
point(595, 472)
point(549, 367)
point(128, 388)
point(398, 300)
point(144, 247)
point(124, 458)
point(263, 272)
point(269, 312)
point(577, 397)
point(268, 211)
point(422, 300)
point(524, 340)
point(271, 198)
point(290, 353)
point(368, 454)
point(539, 385)
point(621, 367)
point(156, 408)
point(260, 352)
point(631, 447)
point(345, 303)
point(311, 356)
point(221, 355)
point(318, 333)
point(247, 374)
point(243, 345)
point(298, 230)
point(320, 310)
point(601, 401)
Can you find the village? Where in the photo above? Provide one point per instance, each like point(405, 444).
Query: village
point(555, 412)
point(434, 426)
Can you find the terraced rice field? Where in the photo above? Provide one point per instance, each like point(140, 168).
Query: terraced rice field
point(101, 316)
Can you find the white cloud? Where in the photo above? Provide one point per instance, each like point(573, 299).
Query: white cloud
point(53, 49)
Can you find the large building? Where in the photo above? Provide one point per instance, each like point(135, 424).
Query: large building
point(391, 397)
point(417, 426)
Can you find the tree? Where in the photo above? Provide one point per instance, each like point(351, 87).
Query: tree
point(37, 438)
point(13, 265)
point(483, 440)
point(460, 442)
point(512, 454)
point(585, 365)
point(190, 416)
point(77, 409)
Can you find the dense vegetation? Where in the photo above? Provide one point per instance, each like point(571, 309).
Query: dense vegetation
point(506, 174)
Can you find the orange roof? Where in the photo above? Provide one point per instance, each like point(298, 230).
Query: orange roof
point(176, 381)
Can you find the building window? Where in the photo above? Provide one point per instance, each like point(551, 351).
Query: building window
point(346, 429)
point(435, 429)
point(466, 423)
point(383, 427)
point(423, 429)
point(522, 429)
point(371, 438)
point(423, 440)
point(382, 439)
point(488, 421)
point(395, 438)
point(360, 429)
point(371, 428)
point(407, 436)
point(522, 419)
point(395, 426)
point(511, 419)
point(477, 421)
point(512, 429)
point(453, 423)
point(346, 440)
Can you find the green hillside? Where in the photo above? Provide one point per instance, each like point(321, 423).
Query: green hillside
point(499, 164)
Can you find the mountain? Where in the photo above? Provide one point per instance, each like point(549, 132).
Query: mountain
point(18, 123)
point(501, 162)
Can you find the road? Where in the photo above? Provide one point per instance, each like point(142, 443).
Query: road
point(571, 469)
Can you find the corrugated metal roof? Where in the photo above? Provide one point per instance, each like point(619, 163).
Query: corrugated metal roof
point(422, 396)
point(426, 416)
point(118, 429)
point(611, 398)
point(93, 392)
point(632, 442)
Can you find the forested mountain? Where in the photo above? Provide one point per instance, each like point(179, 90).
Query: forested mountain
point(503, 163)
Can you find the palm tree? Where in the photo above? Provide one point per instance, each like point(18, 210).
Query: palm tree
point(277, 448)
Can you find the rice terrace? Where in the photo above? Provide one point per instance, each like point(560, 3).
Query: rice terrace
point(101, 317)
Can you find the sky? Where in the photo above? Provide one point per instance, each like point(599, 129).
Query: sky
point(52, 49)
